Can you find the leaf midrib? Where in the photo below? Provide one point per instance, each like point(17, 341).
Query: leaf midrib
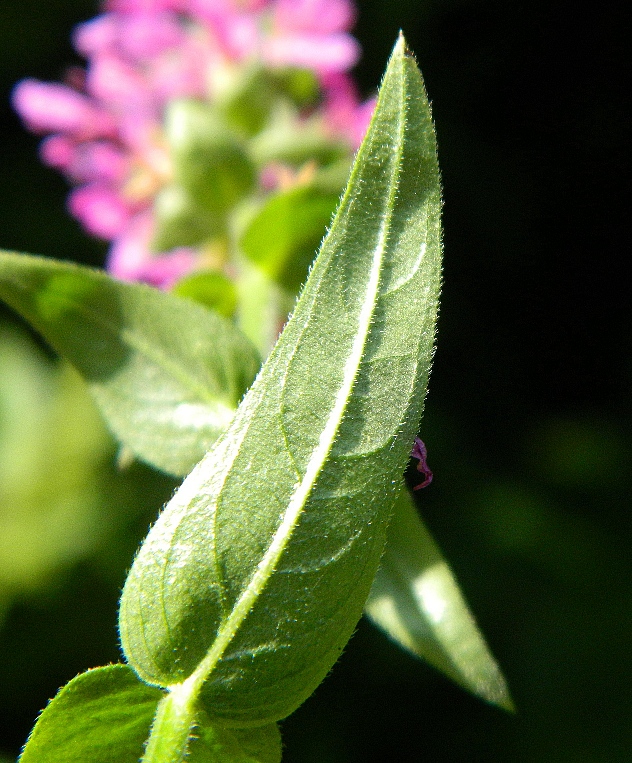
point(267, 565)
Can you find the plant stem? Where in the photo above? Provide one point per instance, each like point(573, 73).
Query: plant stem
point(170, 733)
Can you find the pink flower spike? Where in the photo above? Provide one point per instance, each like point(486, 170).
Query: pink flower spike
point(48, 107)
point(419, 452)
point(100, 209)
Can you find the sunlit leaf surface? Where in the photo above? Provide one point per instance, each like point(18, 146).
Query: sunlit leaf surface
point(102, 716)
point(416, 600)
point(166, 373)
point(254, 577)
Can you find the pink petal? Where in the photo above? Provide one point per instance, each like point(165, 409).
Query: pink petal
point(130, 250)
point(58, 151)
point(96, 35)
point(100, 210)
point(165, 270)
point(182, 72)
point(235, 32)
point(116, 82)
point(333, 53)
point(47, 107)
point(361, 121)
point(344, 114)
point(320, 16)
point(145, 6)
point(144, 36)
point(85, 162)
point(100, 161)
point(131, 259)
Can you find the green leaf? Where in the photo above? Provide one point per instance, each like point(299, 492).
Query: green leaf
point(261, 744)
point(283, 236)
point(102, 716)
point(166, 373)
point(415, 598)
point(252, 580)
point(208, 158)
point(211, 289)
point(180, 221)
point(53, 447)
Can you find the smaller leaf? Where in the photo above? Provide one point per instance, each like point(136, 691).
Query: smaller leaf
point(166, 373)
point(284, 235)
point(211, 744)
point(416, 600)
point(102, 716)
point(287, 140)
point(246, 98)
point(208, 159)
point(179, 220)
point(211, 289)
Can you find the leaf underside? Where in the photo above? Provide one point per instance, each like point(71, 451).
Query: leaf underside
point(416, 600)
point(166, 373)
point(254, 577)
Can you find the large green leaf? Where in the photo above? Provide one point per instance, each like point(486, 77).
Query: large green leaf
point(416, 600)
point(253, 578)
point(102, 716)
point(166, 373)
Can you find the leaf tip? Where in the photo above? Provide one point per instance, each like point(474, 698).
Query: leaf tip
point(401, 47)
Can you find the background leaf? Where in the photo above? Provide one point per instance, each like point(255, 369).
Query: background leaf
point(53, 449)
point(102, 716)
point(256, 573)
point(416, 600)
point(166, 373)
point(284, 234)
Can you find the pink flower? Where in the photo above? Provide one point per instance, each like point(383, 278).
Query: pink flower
point(105, 128)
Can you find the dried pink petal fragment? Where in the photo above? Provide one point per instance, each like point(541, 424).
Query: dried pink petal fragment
point(420, 452)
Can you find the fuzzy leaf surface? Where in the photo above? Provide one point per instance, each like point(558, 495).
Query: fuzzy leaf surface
point(252, 580)
point(416, 600)
point(102, 716)
point(212, 744)
point(166, 373)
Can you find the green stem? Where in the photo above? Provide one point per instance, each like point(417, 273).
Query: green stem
point(170, 733)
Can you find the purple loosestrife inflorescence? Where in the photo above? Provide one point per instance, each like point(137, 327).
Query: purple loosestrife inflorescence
point(123, 129)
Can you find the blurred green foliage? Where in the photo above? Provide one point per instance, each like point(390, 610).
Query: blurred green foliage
point(528, 421)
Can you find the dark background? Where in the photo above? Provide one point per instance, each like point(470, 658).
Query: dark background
point(528, 419)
